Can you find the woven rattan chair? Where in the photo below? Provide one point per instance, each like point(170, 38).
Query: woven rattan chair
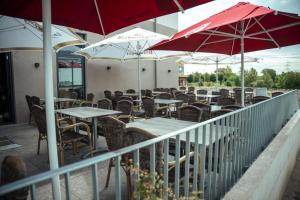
point(224, 93)
point(148, 93)
point(118, 95)
point(108, 94)
point(29, 104)
point(143, 93)
point(201, 92)
point(74, 95)
point(205, 110)
point(90, 97)
point(183, 97)
point(125, 107)
point(191, 98)
point(189, 113)
point(36, 101)
point(238, 95)
point(131, 91)
point(126, 98)
point(191, 89)
point(214, 100)
point(164, 95)
point(275, 94)
point(182, 88)
point(217, 113)
point(224, 101)
point(113, 131)
point(258, 99)
point(152, 111)
point(105, 104)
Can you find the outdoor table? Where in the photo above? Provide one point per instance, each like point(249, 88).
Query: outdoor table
point(168, 102)
point(215, 108)
point(131, 94)
point(86, 113)
point(160, 126)
point(207, 96)
point(155, 93)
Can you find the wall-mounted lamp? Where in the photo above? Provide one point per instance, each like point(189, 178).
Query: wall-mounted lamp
point(144, 69)
point(169, 70)
point(108, 68)
point(36, 65)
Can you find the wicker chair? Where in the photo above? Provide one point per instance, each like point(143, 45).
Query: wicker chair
point(66, 134)
point(126, 98)
point(232, 107)
point(189, 113)
point(90, 97)
point(152, 111)
point(118, 95)
point(275, 94)
point(258, 99)
point(105, 104)
point(237, 95)
point(205, 110)
point(108, 95)
point(131, 91)
point(224, 101)
point(74, 95)
point(113, 131)
point(191, 98)
point(29, 103)
point(191, 89)
point(143, 93)
point(182, 88)
point(203, 92)
point(36, 101)
point(87, 104)
point(183, 97)
point(125, 107)
point(148, 93)
point(214, 100)
point(217, 113)
point(224, 93)
point(164, 95)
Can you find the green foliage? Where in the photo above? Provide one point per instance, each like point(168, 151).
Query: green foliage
point(212, 77)
point(271, 72)
point(268, 81)
point(190, 78)
point(250, 77)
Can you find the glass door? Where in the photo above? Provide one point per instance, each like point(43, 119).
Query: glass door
point(70, 72)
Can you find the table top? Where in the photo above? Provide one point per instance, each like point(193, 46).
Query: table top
point(207, 95)
point(87, 112)
point(246, 92)
point(215, 108)
point(130, 94)
point(160, 126)
point(166, 101)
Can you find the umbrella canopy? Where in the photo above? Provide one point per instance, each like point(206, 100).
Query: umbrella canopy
point(20, 34)
point(242, 28)
point(130, 45)
point(97, 16)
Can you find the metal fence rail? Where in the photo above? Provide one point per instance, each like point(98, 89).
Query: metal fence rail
point(224, 147)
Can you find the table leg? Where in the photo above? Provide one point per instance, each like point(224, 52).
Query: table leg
point(95, 123)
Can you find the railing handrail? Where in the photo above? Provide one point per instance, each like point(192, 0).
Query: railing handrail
point(106, 156)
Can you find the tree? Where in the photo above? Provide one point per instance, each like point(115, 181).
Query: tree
point(213, 77)
point(268, 81)
point(250, 77)
point(271, 72)
point(190, 78)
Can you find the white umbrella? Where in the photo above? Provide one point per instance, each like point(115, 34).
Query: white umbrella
point(20, 34)
point(213, 59)
point(130, 45)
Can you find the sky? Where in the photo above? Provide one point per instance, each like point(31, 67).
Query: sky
point(282, 60)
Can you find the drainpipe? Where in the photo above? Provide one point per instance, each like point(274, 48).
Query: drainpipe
point(50, 116)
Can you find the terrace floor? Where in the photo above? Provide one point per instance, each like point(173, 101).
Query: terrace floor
point(81, 181)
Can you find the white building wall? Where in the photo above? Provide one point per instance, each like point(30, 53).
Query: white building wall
point(122, 76)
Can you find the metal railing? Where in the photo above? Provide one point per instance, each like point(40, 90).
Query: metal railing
point(226, 146)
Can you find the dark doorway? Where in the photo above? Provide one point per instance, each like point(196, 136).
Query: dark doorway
point(7, 111)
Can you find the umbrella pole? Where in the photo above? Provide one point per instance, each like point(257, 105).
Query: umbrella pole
point(50, 117)
point(217, 68)
point(139, 82)
point(242, 72)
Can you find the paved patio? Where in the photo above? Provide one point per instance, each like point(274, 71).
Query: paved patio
point(81, 181)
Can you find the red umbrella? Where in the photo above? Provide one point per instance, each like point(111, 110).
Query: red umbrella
point(97, 16)
point(242, 28)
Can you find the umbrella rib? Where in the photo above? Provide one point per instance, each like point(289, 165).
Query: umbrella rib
point(99, 17)
point(30, 25)
point(203, 43)
point(269, 35)
point(233, 42)
point(125, 52)
point(179, 6)
point(255, 23)
point(221, 33)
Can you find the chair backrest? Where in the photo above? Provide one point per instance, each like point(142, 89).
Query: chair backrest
point(181, 96)
point(261, 92)
point(90, 97)
point(86, 104)
point(237, 95)
point(165, 90)
point(191, 89)
point(191, 98)
point(126, 98)
point(35, 100)
point(164, 95)
point(131, 91)
point(224, 93)
point(224, 101)
point(189, 113)
point(201, 91)
point(29, 101)
point(107, 94)
point(149, 106)
point(205, 110)
point(257, 99)
point(74, 95)
point(215, 99)
point(125, 107)
point(39, 115)
point(217, 113)
point(248, 89)
point(143, 93)
point(182, 88)
point(275, 94)
point(232, 107)
point(135, 136)
point(113, 131)
point(148, 93)
point(105, 104)
point(157, 89)
point(118, 95)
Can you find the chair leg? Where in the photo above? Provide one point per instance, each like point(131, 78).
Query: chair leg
point(108, 173)
point(39, 144)
point(62, 156)
point(29, 121)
